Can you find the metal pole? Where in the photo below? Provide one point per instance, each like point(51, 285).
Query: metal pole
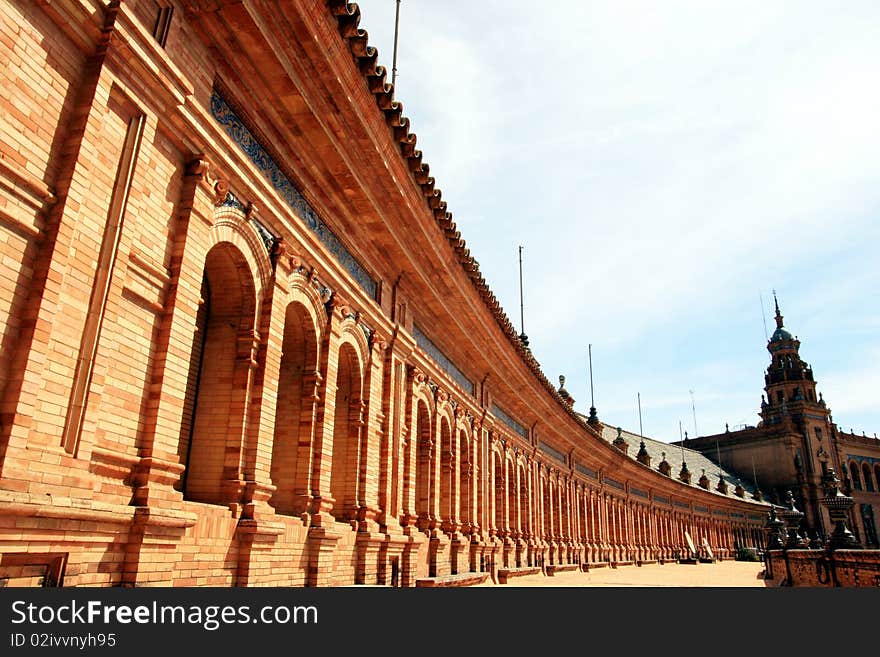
point(590, 352)
point(394, 59)
point(639, 397)
point(521, 306)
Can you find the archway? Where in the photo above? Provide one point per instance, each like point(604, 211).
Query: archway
point(295, 412)
point(347, 419)
point(216, 397)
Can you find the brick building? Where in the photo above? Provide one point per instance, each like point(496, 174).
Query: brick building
point(795, 442)
point(243, 342)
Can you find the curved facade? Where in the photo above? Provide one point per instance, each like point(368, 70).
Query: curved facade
point(244, 343)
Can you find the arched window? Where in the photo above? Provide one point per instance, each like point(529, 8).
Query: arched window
point(346, 435)
point(854, 476)
point(869, 480)
point(447, 474)
point(465, 471)
point(294, 412)
point(500, 517)
point(424, 457)
point(219, 374)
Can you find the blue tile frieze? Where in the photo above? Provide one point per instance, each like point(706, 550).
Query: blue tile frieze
point(239, 133)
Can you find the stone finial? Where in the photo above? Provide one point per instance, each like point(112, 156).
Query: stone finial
point(792, 516)
point(774, 529)
point(722, 484)
point(684, 474)
point(704, 480)
point(566, 396)
point(838, 505)
point(619, 442)
point(664, 466)
point(643, 456)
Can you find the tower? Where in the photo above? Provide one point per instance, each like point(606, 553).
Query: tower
point(794, 409)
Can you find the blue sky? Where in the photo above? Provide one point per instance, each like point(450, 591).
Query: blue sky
point(663, 165)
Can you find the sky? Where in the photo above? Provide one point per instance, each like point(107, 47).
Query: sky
point(665, 167)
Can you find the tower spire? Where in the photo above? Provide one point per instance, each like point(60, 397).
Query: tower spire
point(778, 314)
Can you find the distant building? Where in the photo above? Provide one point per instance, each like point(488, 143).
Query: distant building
point(794, 443)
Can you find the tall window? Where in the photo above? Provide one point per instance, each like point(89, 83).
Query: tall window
point(854, 475)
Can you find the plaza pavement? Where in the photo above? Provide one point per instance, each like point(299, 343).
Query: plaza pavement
point(719, 574)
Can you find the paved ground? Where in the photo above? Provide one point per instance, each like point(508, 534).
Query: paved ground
point(719, 574)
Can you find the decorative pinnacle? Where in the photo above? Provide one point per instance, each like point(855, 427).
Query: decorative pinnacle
point(778, 314)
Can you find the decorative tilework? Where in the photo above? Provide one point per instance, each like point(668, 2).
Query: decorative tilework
point(638, 493)
point(661, 500)
point(682, 505)
point(440, 358)
point(509, 421)
point(736, 515)
point(719, 512)
point(245, 140)
point(584, 470)
point(231, 200)
point(266, 235)
point(552, 452)
point(752, 516)
point(858, 458)
point(701, 509)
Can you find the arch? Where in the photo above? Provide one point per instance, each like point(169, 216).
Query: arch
point(217, 387)
point(500, 515)
point(295, 408)
point(465, 473)
point(231, 225)
point(877, 475)
point(513, 515)
point(524, 517)
point(347, 423)
point(447, 472)
point(424, 460)
point(854, 476)
point(869, 480)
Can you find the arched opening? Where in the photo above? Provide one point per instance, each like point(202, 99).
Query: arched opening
point(500, 518)
point(877, 475)
point(447, 475)
point(425, 449)
point(524, 519)
point(513, 515)
point(545, 502)
point(346, 435)
point(464, 480)
point(217, 394)
point(854, 476)
point(869, 480)
point(294, 412)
